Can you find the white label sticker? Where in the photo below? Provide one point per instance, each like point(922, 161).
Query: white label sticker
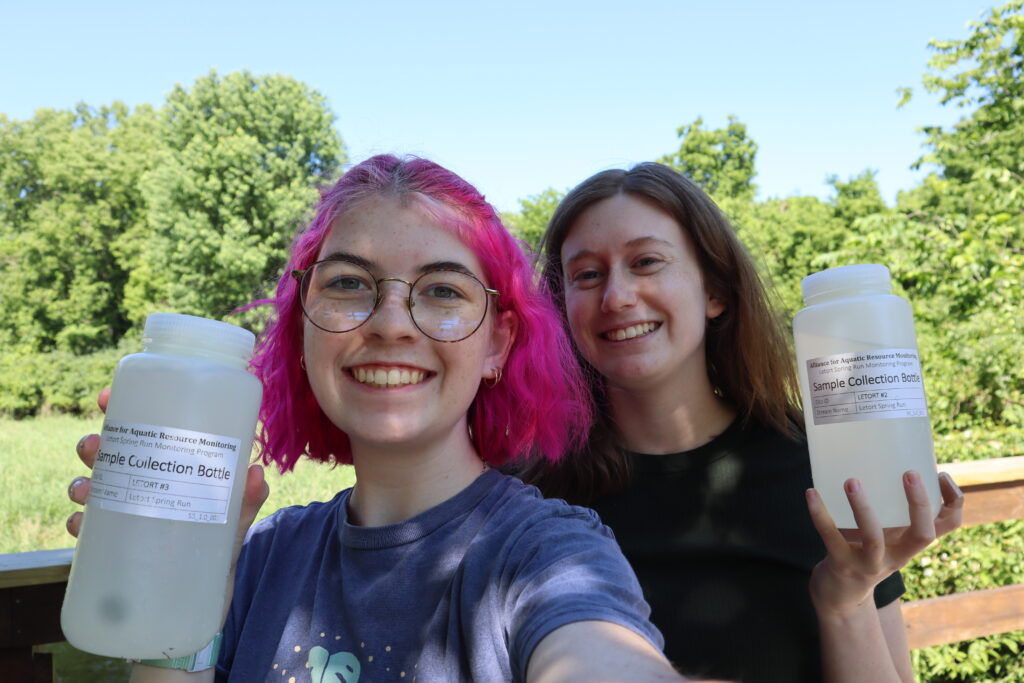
point(164, 472)
point(883, 384)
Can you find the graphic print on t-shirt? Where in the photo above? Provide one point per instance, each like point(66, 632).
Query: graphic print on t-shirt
point(327, 668)
point(342, 666)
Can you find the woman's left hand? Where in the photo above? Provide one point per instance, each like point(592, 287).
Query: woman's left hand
point(859, 559)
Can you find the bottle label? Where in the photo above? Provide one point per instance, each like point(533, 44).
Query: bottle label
point(164, 472)
point(882, 384)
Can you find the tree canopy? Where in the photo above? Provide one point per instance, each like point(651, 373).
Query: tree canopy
point(108, 214)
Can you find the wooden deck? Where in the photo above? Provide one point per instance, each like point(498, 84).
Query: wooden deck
point(32, 584)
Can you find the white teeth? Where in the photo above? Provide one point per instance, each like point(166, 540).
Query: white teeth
point(388, 378)
point(631, 331)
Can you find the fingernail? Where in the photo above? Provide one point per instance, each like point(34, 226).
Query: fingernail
point(912, 478)
point(952, 483)
point(853, 486)
point(81, 444)
point(74, 485)
point(68, 523)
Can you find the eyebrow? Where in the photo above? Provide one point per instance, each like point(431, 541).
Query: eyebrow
point(374, 267)
point(350, 258)
point(446, 265)
point(636, 241)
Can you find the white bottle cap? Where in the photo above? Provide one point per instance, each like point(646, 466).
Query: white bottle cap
point(192, 331)
point(863, 278)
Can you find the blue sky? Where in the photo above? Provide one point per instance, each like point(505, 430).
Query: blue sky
point(521, 96)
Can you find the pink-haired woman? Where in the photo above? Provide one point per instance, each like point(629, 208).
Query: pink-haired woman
point(409, 342)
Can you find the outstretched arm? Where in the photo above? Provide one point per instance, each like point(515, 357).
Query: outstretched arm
point(597, 651)
point(858, 641)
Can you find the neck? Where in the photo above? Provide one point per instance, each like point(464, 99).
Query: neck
point(395, 484)
point(669, 417)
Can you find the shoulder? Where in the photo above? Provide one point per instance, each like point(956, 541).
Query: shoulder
point(528, 516)
point(559, 564)
point(295, 524)
point(535, 538)
point(768, 456)
point(521, 532)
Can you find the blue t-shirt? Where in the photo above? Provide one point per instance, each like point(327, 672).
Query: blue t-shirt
point(463, 591)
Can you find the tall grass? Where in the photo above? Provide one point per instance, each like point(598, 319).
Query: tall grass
point(38, 461)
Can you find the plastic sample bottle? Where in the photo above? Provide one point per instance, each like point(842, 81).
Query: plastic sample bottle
point(150, 571)
point(863, 393)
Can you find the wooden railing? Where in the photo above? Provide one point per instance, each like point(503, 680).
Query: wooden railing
point(31, 592)
point(994, 491)
point(32, 584)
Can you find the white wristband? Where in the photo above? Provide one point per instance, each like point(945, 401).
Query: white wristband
point(200, 661)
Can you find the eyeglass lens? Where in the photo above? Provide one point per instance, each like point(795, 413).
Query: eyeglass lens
point(446, 305)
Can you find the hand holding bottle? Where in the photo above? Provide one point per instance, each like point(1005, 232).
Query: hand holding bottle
point(859, 559)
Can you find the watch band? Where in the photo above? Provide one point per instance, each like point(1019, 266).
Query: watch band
point(200, 661)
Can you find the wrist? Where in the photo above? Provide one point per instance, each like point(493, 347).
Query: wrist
point(846, 612)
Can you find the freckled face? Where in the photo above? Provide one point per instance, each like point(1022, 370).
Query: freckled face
point(634, 294)
point(386, 384)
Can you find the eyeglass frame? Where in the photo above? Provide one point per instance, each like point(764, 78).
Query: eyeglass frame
point(300, 274)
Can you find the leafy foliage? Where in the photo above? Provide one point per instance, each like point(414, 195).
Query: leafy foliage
point(107, 215)
point(721, 160)
point(237, 172)
point(69, 192)
point(533, 217)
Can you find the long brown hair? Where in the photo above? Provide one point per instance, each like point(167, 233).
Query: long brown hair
point(748, 357)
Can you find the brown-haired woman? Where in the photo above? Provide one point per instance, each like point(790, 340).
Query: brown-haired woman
point(698, 460)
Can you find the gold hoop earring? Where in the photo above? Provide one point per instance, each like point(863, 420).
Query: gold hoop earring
point(493, 381)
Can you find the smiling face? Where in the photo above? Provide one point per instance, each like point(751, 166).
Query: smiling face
point(634, 294)
point(385, 383)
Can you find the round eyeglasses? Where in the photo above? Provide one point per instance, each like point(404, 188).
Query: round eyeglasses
point(445, 305)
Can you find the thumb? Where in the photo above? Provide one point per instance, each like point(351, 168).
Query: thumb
point(255, 494)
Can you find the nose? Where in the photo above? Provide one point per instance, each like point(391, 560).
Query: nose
point(391, 319)
point(619, 292)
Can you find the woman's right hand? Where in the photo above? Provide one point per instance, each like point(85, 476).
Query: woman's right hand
point(256, 489)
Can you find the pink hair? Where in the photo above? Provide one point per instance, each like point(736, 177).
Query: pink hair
point(540, 408)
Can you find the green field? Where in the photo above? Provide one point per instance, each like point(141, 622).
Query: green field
point(38, 461)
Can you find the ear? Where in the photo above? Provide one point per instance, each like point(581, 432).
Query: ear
point(714, 307)
point(503, 333)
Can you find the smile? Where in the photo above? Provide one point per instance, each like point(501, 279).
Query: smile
point(631, 332)
point(384, 377)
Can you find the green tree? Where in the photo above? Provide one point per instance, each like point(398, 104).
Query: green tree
point(242, 158)
point(69, 193)
point(107, 215)
point(790, 238)
point(983, 154)
point(720, 160)
point(955, 246)
point(858, 197)
point(962, 229)
point(534, 215)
